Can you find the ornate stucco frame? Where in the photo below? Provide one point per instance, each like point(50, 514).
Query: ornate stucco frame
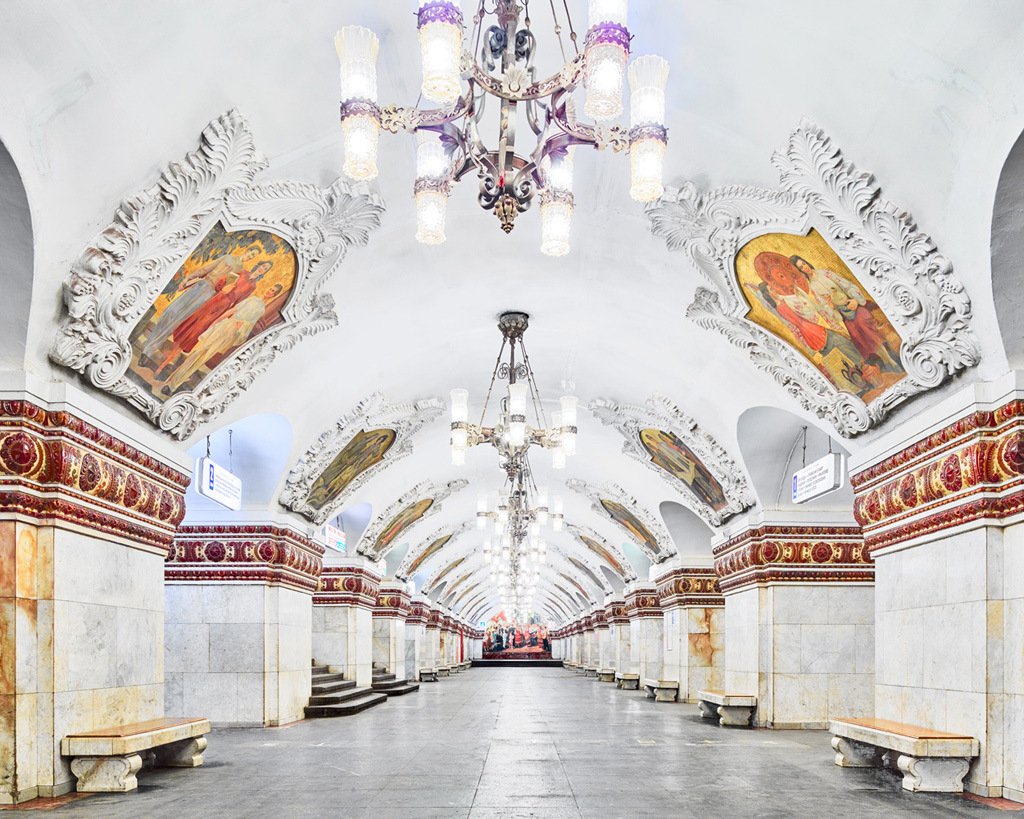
point(421, 491)
point(579, 532)
point(415, 551)
point(117, 277)
point(899, 264)
point(614, 492)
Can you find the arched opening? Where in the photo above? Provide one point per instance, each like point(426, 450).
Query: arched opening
point(18, 263)
point(1007, 248)
point(691, 535)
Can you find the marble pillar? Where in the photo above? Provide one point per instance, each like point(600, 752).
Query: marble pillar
point(433, 658)
point(589, 641)
point(694, 620)
point(941, 504)
point(646, 631)
point(620, 635)
point(602, 637)
point(343, 616)
point(799, 614)
point(416, 644)
point(238, 624)
point(389, 616)
point(89, 502)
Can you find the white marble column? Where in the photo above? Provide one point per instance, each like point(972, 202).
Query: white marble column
point(343, 616)
point(389, 616)
point(238, 624)
point(589, 637)
point(603, 640)
point(89, 502)
point(646, 626)
point(417, 644)
point(694, 621)
point(620, 635)
point(799, 610)
point(433, 643)
point(942, 511)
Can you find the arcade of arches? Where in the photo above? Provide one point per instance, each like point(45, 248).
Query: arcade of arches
point(833, 274)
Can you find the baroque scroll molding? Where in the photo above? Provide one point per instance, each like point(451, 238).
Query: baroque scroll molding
point(580, 532)
point(373, 412)
point(658, 412)
point(119, 275)
point(661, 549)
point(906, 274)
point(413, 555)
point(590, 562)
point(438, 493)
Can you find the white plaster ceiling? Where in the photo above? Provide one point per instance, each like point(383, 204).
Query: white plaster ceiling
point(95, 97)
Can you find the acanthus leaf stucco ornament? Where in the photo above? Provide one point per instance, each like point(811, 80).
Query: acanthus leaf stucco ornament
point(906, 275)
point(451, 532)
point(117, 277)
point(627, 574)
point(437, 493)
point(662, 548)
point(373, 412)
point(589, 561)
point(660, 413)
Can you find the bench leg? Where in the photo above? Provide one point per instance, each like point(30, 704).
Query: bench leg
point(649, 692)
point(664, 694)
point(708, 710)
point(106, 774)
point(853, 754)
point(186, 753)
point(735, 714)
point(631, 685)
point(933, 774)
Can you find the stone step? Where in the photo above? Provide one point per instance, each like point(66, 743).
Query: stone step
point(397, 687)
point(329, 676)
point(332, 687)
point(335, 697)
point(380, 676)
point(347, 708)
point(321, 669)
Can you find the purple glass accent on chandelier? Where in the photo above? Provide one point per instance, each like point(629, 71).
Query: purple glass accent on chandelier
point(356, 108)
point(609, 33)
point(439, 11)
point(658, 132)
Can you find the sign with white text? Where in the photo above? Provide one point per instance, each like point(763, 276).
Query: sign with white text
point(334, 538)
point(819, 478)
point(216, 483)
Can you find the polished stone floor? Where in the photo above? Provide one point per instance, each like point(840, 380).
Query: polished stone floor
point(520, 742)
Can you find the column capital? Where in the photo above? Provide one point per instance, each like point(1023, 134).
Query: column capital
point(642, 601)
point(419, 610)
point(689, 587)
point(600, 620)
point(615, 612)
point(347, 586)
point(393, 600)
point(271, 554)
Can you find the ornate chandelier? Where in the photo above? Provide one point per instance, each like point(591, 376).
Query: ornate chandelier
point(523, 507)
point(449, 142)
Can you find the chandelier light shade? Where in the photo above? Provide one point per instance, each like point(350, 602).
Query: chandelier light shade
point(431, 208)
point(556, 202)
point(440, 32)
point(647, 135)
point(607, 51)
point(360, 117)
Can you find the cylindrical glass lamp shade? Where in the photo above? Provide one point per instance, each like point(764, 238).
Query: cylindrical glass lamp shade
point(517, 399)
point(357, 52)
point(647, 77)
point(568, 404)
point(440, 28)
point(460, 438)
point(360, 132)
point(431, 206)
point(558, 170)
point(608, 11)
point(606, 66)
point(431, 160)
point(460, 406)
point(569, 443)
point(646, 166)
point(555, 226)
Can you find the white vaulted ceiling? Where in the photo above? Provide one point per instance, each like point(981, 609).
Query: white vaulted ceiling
point(96, 97)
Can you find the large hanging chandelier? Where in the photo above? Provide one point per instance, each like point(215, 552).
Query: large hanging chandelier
point(522, 507)
point(498, 61)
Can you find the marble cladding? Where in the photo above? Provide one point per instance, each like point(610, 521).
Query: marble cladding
point(695, 648)
point(806, 650)
point(647, 647)
point(81, 625)
point(621, 640)
point(950, 631)
point(389, 645)
point(416, 652)
point(343, 639)
point(237, 654)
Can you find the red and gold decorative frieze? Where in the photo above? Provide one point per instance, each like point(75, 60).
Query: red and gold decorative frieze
point(56, 467)
point(434, 618)
point(418, 613)
point(690, 587)
point(600, 621)
point(392, 601)
point(347, 586)
point(970, 471)
point(642, 602)
point(586, 623)
point(273, 555)
point(793, 554)
point(616, 614)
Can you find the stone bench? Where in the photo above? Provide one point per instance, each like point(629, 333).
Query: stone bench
point(443, 671)
point(108, 759)
point(580, 669)
point(661, 690)
point(628, 682)
point(933, 761)
point(730, 709)
point(428, 675)
point(606, 674)
point(591, 671)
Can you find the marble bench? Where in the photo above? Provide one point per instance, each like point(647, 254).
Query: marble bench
point(628, 682)
point(580, 669)
point(108, 759)
point(591, 671)
point(443, 671)
point(933, 761)
point(428, 675)
point(661, 690)
point(730, 709)
point(606, 674)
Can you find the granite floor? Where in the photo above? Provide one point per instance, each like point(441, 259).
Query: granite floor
point(520, 742)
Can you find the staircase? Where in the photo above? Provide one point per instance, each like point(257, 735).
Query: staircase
point(334, 696)
point(387, 684)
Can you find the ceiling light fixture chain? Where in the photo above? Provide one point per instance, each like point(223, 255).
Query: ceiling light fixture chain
point(449, 144)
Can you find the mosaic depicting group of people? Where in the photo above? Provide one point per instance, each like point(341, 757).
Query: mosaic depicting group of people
point(510, 637)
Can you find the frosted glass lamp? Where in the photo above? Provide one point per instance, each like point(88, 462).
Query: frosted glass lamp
point(440, 32)
point(360, 118)
point(555, 222)
point(647, 136)
point(431, 210)
point(607, 50)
